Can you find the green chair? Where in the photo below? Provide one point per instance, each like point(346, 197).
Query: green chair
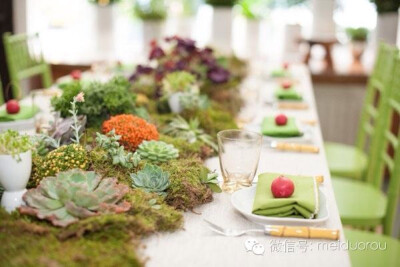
point(362, 203)
point(1, 94)
point(386, 255)
point(351, 161)
point(24, 59)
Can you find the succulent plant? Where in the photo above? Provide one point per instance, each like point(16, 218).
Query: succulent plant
point(157, 151)
point(189, 131)
point(151, 179)
point(44, 143)
point(12, 143)
point(210, 179)
point(117, 152)
point(180, 81)
point(193, 101)
point(74, 195)
point(61, 159)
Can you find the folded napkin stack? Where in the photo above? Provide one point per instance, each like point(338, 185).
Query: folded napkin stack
point(304, 203)
point(25, 113)
point(270, 128)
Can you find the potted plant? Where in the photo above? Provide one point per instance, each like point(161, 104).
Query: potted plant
point(222, 23)
point(153, 14)
point(176, 85)
point(15, 167)
point(358, 38)
point(386, 27)
point(253, 12)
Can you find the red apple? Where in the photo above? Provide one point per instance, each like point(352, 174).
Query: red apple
point(281, 119)
point(282, 187)
point(286, 84)
point(12, 106)
point(285, 65)
point(76, 74)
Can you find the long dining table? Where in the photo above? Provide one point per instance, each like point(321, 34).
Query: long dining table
point(197, 245)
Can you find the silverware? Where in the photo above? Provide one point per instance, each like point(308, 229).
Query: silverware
point(280, 231)
point(293, 147)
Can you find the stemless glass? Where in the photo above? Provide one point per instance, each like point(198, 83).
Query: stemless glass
point(239, 153)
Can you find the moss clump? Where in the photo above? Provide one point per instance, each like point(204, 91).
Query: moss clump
point(186, 190)
point(62, 159)
point(213, 119)
point(188, 150)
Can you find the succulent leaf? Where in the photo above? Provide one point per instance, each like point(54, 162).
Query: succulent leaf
point(151, 179)
point(74, 195)
point(157, 151)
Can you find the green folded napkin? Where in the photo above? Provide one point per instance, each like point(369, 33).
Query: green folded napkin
point(269, 127)
point(25, 113)
point(304, 203)
point(288, 94)
point(277, 73)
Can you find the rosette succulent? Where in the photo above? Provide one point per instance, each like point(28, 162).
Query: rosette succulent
point(157, 151)
point(180, 81)
point(74, 195)
point(151, 179)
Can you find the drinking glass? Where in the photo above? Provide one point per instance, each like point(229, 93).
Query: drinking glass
point(239, 153)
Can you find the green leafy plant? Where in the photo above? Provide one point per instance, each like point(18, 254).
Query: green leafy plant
point(253, 9)
point(226, 3)
point(12, 143)
point(74, 195)
point(180, 81)
point(150, 10)
point(357, 34)
point(43, 144)
point(386, 6)
point(151, 179)
point(117, 152)
point(188, 131)
point(101, 99)
point(61, 159)
point(210, 179)
point(157, 151)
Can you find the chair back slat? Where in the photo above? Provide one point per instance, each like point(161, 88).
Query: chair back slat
point(385, 147)
point(376, 87)
point(25, 59)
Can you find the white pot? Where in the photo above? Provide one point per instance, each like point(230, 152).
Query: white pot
point(14, 176)
point(323, 27)
point(292, 38)
point(105, 28)
point(221, 36)
point(174, 102)
point(386, 28)
point(152, 30)
point(252, 38)
point(182, 26)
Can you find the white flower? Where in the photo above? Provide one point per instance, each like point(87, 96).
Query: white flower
point(80, 97)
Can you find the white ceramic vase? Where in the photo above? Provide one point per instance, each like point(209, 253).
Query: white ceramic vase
point(252, 38)
point(323, 26)
point(221, 36)
point(174, 102)
point(152, 30)
point(14, 176)
point(386, 28)
point(105, 29)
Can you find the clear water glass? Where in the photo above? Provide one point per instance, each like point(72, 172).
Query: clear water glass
point(239, 154)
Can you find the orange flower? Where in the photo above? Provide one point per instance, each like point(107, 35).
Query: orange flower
point(133, 130)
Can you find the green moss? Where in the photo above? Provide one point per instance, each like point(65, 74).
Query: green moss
point(186, 190)
point(188, 150)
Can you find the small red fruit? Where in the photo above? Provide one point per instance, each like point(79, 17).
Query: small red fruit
point(286, 84)
point(281, 119)
point(282, 187)
point(76, 74)
point(285, 65)
point(12, 106)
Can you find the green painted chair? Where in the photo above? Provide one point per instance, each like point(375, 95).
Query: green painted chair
point(362, 204)
point(1, 94)
point(386, 255)
point(351, 161)
point(24, 59)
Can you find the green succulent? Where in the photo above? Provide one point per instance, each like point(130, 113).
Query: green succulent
point(61, 159)
point(44, 143)
point(157, 151)
point(151, 179)
point(180, 81)
point(189, 131)
point(74, 195)
point(210, 179)
point(117, 152)
point(193, 101)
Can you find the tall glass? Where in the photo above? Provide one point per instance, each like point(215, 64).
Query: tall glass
point(239, 153)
